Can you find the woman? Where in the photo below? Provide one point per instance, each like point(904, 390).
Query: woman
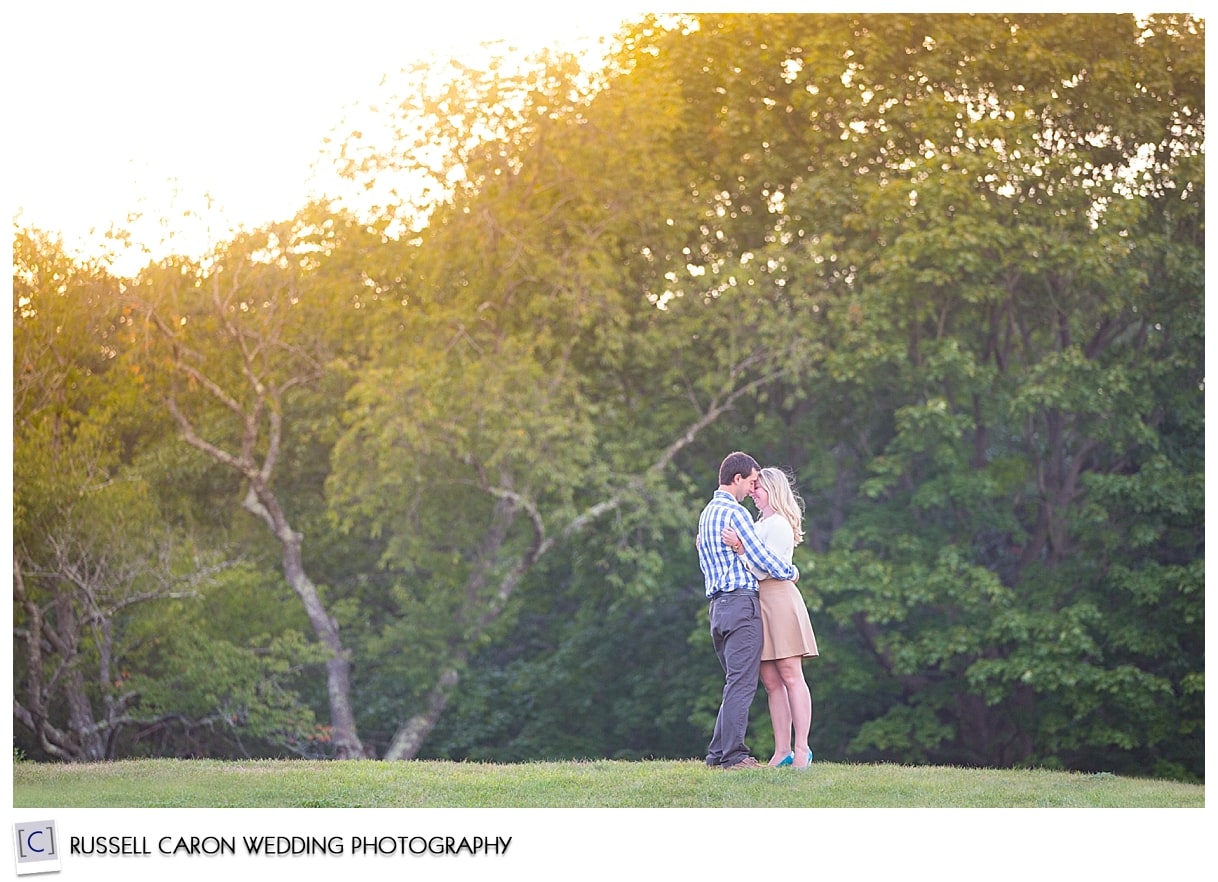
point(786, 628)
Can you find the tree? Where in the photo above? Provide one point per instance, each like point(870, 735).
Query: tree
point(973, 217)
point(976, 238)
point(515, 382)
point(234, 340)
point(90, 553)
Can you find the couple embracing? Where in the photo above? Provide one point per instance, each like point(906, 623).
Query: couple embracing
point(758, 621)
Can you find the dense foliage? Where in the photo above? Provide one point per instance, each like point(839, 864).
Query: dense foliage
point(422, 482)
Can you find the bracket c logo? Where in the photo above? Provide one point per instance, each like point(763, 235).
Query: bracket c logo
point(36, 847)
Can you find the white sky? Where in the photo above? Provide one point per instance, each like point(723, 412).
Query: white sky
point(151, 107)
point(122, 107)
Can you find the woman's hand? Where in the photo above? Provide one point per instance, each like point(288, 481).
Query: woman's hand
point(732, 540)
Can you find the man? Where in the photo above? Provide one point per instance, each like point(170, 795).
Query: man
point(735, 610)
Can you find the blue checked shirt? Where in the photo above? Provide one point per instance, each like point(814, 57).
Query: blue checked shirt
point(723, 569)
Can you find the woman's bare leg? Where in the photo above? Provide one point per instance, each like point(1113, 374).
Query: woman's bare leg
point(799, 698)
point(780, 710)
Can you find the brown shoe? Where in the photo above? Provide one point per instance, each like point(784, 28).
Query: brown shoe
point(747, 763)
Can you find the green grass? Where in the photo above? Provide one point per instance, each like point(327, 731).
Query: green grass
point(601, 783)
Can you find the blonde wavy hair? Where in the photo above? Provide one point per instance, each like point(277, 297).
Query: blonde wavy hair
point(779, 485)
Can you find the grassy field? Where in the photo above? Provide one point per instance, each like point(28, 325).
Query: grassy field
point(601, 783)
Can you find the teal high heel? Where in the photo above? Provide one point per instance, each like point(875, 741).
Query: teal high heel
point(809, 765)
point(787, 760)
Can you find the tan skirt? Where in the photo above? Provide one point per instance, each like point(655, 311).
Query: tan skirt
point(786, 628)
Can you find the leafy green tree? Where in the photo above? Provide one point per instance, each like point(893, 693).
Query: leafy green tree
point(517, 393)
point(970, 240)
point(95, 562)
point(226, 673)
point(230, 342)
point(987, 235)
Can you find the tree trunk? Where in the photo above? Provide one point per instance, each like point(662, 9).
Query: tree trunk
point(410, 737)
point(263, 503)
point(338, 667)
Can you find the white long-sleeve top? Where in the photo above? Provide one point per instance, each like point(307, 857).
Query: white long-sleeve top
point(775, 531)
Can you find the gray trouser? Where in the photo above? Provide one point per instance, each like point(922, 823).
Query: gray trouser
point(735, 627)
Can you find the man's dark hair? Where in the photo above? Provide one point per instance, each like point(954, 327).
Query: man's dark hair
point(736, 464)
